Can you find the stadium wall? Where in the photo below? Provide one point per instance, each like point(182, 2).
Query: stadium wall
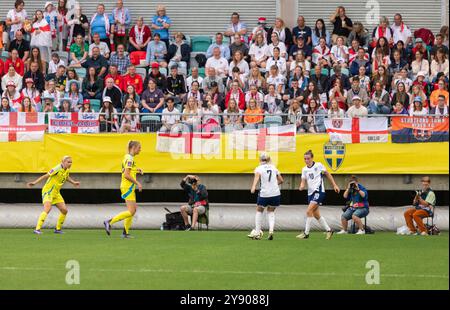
point(222, 217)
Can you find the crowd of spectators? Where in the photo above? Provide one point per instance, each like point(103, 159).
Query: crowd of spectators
point(61, 60)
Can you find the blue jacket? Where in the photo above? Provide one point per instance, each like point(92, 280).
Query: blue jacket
point(356, 197)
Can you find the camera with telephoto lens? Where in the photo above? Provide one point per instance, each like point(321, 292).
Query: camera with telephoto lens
point(191, 180)
point(353, 186)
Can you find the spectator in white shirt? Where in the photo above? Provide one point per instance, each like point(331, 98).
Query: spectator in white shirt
point(238, 61)
point(170, 116)
point(419, 65)
point(275, 78)
point(401, 31)
point(259, 51)
point(357, 109)
point(339, 53)
point(277, 43)
point(217, 62)
point(417, 108)
point(104, 49)
point(193, 77)
point(278, 61)
point(55, 63)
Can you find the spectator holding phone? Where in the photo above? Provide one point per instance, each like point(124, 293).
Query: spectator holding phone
point(357, 206)
point(198, 200)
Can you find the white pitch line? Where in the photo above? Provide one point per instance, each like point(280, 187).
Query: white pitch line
point(237, 272)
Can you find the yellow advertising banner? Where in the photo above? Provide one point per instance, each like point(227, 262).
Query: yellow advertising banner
point(103, 153)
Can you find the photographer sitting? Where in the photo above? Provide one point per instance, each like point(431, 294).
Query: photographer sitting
point(198, 200)
point(423, 203)
point(357, 206)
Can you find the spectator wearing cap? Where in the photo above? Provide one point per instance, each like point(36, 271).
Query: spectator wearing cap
point(357, 109)
point(109, 121)
point(161, 24)
point(86, 106)
point(113, 72)
point(179, 53)
point(236, 27)
point(440, 91)
point(157, 51)
point(356, 90)
point(300, 46)
point(302, 30)
point(176, 86)
point(217, 62)
point(342, 24)
point(120, 58)
point(157, 76)
point(75, 96)
point(420, 64)
point(171, 116)
point(11, 75)
point(417, 108)
point(36, 75)
point(442, 106)
point(261, 28)
point(218, 42)
point(92, 85)
point(284, 34)
point(13, 94)
point(131, 78)
point(152, 99)
point(98, 62)
point(21, 45)
point(114, 94)
point(31, 92)
point(193, 77)
point(48, 105)
point(140, 35)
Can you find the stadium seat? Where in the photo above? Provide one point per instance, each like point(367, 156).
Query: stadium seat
point(163, 71)
point(142, 72)
point(150, 123)
point(95, 105)
point(200, 43)
point(343, 71)
point(81, 72)
point(63, 56)
point(273, 120)
point(226, 40)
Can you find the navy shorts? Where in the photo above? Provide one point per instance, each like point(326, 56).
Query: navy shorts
point(269, 201)
point(318, 197)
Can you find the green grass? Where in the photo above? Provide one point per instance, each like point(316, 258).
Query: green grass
point(220, 260)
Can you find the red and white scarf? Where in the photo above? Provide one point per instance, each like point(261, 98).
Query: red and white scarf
point(139, 35)
point(105, 20)
point(120, 16)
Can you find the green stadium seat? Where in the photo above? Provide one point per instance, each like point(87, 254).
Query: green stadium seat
point(343, 71)
point(150, 123)
point(95, 105)
point(142, 72)
point(4, 55)
point(200, 43)
point(273, 120)
point(81, 72)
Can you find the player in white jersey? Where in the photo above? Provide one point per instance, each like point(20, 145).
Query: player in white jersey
point(312, 174)
point(269, 195)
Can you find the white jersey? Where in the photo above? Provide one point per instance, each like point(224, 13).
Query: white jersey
point(269, 181)
point(314, 177)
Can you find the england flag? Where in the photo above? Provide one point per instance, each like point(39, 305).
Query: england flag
point(21, 126)
point(358, 130)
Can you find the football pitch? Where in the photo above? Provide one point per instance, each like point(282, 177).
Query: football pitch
point(220, 260)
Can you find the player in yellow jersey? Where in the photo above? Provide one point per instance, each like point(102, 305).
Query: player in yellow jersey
point(56, 178)
point(127, 188)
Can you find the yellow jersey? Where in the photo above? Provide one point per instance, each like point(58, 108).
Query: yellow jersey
point(57, 177)
point(128, 163)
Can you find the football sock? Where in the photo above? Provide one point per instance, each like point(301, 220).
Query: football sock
point(308, 225)
point(271, 216)
point(121, 216)
point(127, 224)
point(324, 223)
point(41, 220)
point(258, 221)
point(60, 221)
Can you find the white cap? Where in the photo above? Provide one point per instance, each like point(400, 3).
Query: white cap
point(47, 4)
point(421, 73)
point(356, 97)
point(108, 99)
